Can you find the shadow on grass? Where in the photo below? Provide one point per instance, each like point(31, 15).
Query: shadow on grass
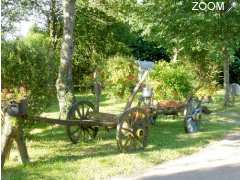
point(166, 134)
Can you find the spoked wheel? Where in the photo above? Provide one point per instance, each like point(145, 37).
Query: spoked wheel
point(82, 110)
point(132, 130)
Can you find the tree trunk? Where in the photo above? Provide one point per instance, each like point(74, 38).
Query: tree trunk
point(226, 78)
point(53, 23)
point(64, 82)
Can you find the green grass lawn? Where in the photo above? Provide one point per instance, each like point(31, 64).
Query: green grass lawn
point(53, 156)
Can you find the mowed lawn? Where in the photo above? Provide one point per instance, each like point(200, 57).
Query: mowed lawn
point(53, 156)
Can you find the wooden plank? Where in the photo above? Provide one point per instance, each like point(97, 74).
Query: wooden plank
point(104, 117)
point(83, 123)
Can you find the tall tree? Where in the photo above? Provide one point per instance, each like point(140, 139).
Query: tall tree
point(175, 25)
point(64, 83)
point(13, 11)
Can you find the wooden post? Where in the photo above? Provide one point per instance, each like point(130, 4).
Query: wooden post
point(97, 89)
point(19, 137)
point(6, 138)
point(135, 90)
point(226, 77)
point(12, 130)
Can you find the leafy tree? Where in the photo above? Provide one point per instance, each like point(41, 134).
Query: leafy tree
point(144, 50)
point(120, 75)
point(172, 80)
point(28, 66)
point(51, 13)
point(48, 12)
point(98, 37)
point(175, 26)
point(13, 11)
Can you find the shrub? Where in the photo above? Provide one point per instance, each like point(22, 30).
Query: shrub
point(120, 75)
point(28, 64)
point(171, 81)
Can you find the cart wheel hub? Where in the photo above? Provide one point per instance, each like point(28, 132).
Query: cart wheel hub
point(140, 133)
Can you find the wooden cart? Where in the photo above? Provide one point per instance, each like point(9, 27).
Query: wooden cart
point(132, 125)
point(83, 121)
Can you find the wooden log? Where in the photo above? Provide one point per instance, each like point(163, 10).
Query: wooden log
point(12, 130)
point(84, 123)
point(52, 121)
point(19, 137)
point(6, 138)
point(104, 117)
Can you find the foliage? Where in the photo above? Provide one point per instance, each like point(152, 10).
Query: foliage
point(30, 64)
point(13, 11)
point(235, 69)
point(120, 75)
point(45, 12)
point(98, 36)
point(145, 50)
point(206, 71)
point(175, 25)
point(171, 80)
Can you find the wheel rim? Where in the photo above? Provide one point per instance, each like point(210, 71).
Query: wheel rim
point(81, 111)
point(132, 130)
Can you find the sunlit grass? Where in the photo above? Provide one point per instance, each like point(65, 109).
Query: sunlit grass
point(53, 156)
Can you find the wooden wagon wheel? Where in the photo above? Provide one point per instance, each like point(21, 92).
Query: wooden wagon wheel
point(82, 110)
point(132, 130)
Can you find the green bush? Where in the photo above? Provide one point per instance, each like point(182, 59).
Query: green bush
point(30, 64)
point(171, 81)
point(120, 75)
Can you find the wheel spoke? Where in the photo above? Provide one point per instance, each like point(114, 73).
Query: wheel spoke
point(79, 114)
point(139, 140)
point(87, 111)
point(127, 141)
point(90, 133)
point(83, 115)
point(76, 130)
point(128, 130)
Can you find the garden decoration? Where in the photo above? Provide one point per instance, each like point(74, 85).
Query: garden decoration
point(193, 113)
point(82, 123)
point(132, 124)
point(234, 91)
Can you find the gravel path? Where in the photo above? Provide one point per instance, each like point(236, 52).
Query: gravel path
point(218, 161)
